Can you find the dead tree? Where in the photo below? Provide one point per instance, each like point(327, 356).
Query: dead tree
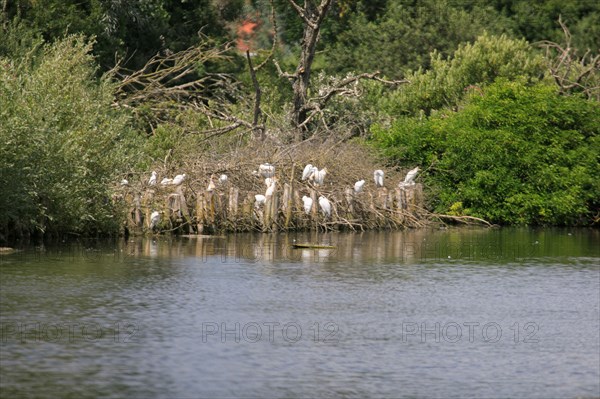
point(570, 72)
point(305, 109)
point(169, 83)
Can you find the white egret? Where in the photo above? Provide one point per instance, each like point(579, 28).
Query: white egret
point(266, 170)
point(154, 219)
point(358, 186)
point(222, 179)
point(166, 181)
point(152, 181)
point(410, 177)
point(308, 170)
point(319, 176)
point(260, 200)
point(211, 184)
point(378, 175)
point(307, 204)
point(271, 188)
point(325, 206)
point(124, 182)
point(178, 179)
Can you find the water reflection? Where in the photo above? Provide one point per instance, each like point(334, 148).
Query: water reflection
point(413, 246)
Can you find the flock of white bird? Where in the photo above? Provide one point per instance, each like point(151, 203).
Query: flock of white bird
point(267, 171)
point(317, 177)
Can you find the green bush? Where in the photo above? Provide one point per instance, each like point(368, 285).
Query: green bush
point(518, 154)
point(472, 66)
point(63, 144)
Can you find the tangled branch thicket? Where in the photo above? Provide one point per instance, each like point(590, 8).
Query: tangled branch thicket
point(346, 163)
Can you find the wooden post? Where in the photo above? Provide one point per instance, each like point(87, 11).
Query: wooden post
point(185, 213)
point(233, 202)
point(200, 213)
point(287, 204)
point(349, 193)
point(274, 210)
point(147, 205)
point(137, 211)
point(382, 198)
point(314, 213)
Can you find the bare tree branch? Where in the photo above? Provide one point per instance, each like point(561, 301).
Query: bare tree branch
point(570, 72)
point(258, 129)
point(303, 14)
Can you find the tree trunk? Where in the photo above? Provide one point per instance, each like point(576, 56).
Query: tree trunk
point(313, 17)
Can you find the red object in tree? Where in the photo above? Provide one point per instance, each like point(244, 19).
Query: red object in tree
point(245, 35)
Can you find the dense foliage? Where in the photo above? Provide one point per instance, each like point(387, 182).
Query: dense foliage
point(63, 144)
point(516, 154)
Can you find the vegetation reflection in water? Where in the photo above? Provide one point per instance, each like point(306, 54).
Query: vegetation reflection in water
point(424, 245)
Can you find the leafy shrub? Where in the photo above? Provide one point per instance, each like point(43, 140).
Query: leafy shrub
point(472, 66)
point(63, 146)
point(518, 154)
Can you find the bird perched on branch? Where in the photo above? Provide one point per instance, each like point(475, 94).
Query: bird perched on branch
point(271, 188)
point(211, 184)
point(259, 200)
point(307, 204)
point(178, 179)
point(410, 177)
point(152, 181)
point(266, 170)
point(378, 176)
point(319, 176)
point(308, 171)
point(358, 186)
point(325, 206)
point(154, 219)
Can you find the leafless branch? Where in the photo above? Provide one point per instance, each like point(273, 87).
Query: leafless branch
point(570, 72)
point(303, 14)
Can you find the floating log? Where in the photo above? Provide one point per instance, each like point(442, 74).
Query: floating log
point(315, 246)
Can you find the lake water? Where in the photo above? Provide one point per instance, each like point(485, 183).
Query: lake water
point(480, 313)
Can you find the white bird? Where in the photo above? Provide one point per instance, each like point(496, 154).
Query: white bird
point(358, 186)
point(325, 206)
point(260, 199)
point(211, 184)
point(410, 177)
point(308, 170)
point(378, 175)
point(178, 179)
point(152, 180)
point(307, 204)
point(266, 170)
point(166, 181)
point(154, 219)
point(319, 176)
point(271, 188)
point(222, 179)
point(124, 182)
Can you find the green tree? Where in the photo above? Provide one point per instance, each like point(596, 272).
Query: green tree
point(63, 144)
point(519, 154)
point(404, 35)
point(469, 69)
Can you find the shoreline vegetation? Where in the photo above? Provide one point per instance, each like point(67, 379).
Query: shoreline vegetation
point(502, 118)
